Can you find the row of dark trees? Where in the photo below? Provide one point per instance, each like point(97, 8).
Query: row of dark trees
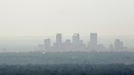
point(67, 69)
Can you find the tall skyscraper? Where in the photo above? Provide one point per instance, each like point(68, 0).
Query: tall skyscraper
point(76, 38)
point(58, 45)
point(77, 43)
point(93, 41)
point(93, 38)
point(47, 43)
point(59, 39)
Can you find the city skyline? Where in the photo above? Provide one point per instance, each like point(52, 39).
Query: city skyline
point(77, 44)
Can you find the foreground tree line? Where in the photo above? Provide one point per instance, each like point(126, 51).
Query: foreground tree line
point(67, 69)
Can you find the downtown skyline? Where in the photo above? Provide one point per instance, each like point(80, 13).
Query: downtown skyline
point(77, 44)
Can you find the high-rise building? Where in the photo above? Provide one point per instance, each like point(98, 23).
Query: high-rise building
point(47, 43)
point(93, 38)
point(58, 45)
point(67, 45)
point(93, 41)
point(76, 38)
point(59, 39)
point(77, 43)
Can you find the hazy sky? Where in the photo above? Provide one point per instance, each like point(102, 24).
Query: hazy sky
point(47, 17)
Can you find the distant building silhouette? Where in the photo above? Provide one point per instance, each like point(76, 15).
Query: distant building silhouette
point(75, 38)
point(77, 44)
point(67, 45)
point(118, 44)
point(93, 43)
point(75, 41)
point(47, 44)
point(58, 44)
point(59, 39)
